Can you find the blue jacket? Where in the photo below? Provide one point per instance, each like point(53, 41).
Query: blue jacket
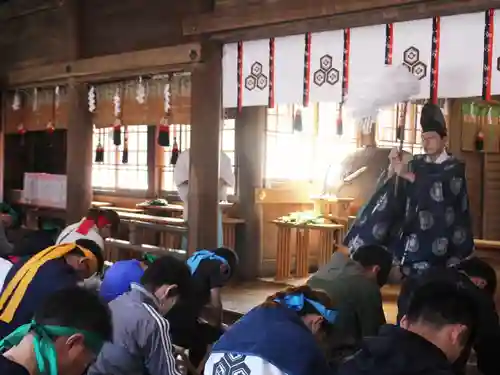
point(279, 336)
point(119, 277)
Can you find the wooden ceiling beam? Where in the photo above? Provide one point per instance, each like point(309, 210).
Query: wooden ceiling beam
point(364, 18)
point(283, 11)
point(109, 67)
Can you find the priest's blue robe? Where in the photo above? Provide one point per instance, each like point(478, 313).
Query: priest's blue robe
point(425, 223)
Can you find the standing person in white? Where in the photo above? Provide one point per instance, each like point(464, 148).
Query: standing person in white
point(181, 179)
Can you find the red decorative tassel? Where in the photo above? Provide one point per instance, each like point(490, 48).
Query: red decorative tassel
point(125, 147)
point(21, 130)
point(50, 127)
point(297, 121)
point(164, 133)
point(117, 133)
point(175, 153)
point(99, 151)
point(479, 142)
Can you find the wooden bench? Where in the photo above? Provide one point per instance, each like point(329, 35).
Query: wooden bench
point(113, 245)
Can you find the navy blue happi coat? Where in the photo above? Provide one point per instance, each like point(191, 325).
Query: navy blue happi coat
point(425, 223)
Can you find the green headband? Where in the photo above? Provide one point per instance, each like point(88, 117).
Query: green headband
point(45, 352)
point(150, 258)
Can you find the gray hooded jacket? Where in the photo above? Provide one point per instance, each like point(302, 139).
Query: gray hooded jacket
point(141, 340)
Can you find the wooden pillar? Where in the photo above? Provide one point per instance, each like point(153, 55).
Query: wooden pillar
point(206, 119)
point(250, 126)
point(79, 154)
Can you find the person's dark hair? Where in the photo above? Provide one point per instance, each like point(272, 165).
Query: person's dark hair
point(439, 304)
point(475, 267)
point(230, 256)
point(167, 270)
point(94, 248)
point(373, 255)
point(76, 308)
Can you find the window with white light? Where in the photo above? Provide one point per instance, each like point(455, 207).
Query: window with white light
point(305, 155)
point(183, 135)
point(112, 174)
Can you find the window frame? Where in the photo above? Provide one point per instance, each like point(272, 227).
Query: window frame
point(117, 191)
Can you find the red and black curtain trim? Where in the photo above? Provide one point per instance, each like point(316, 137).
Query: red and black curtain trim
point(389, 43)
point(307, 69)
point(436, 35)
point(345, 79)
point(488, 52)
point(271, 73)
point(240, 76)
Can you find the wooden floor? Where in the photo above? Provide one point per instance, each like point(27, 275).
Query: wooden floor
point(240, 298)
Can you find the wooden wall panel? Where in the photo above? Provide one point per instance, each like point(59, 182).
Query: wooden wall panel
point(33, 39)
point(122, 26)
point(491, 212)
point(152, 111)
point(61, 109)
point(13, 118)
point(104, 114)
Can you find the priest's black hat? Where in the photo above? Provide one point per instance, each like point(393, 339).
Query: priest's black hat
point(432, 120)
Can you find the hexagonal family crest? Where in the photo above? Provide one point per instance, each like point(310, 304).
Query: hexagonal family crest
point(326, 72)
point(411, 59)
point(256, 79)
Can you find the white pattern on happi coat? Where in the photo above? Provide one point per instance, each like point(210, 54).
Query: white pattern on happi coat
point(237, 364)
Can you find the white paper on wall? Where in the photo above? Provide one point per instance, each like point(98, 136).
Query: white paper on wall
point(255, 73)
point(325, 78)
point(230, 75)
point(412, 47)
point(289, 54)
point(461, 55)
point(366, 57)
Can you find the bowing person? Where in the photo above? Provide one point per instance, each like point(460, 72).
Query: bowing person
point(29, 245)
point(141, 338)
point(210, 271)
point(284, 335)
point(64, 337)
point(30, 282)
point(91, 226)
point(121, 275)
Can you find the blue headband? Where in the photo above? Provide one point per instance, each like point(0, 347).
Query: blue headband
point(296, 303)
point(194, 260)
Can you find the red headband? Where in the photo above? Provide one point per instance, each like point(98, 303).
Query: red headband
point(88, 223)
